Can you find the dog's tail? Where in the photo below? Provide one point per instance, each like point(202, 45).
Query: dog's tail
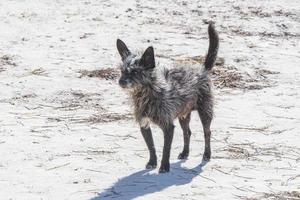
point(213, 47)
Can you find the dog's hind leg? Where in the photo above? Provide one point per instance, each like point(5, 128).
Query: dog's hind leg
point(184, 123)
point(147, 135)
point(168, 138)
point(205, 110)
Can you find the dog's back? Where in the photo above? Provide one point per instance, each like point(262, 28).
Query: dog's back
point(189, 87)
point(183, 88)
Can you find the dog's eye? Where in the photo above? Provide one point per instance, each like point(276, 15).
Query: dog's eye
point(134, 72)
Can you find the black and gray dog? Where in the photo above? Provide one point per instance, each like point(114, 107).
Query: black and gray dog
point(161, 96)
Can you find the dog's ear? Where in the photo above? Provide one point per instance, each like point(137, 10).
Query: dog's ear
point(147, 60)
point(122, 49)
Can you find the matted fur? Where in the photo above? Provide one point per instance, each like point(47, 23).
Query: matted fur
point(160, 96)
point(174, 93)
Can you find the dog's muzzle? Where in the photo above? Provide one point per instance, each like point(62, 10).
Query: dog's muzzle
point(123, 83)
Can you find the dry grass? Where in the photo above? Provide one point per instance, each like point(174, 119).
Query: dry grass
point(107, 73)
point(250, 151)
point(260, 12)
point(235, 151)
point(39, 72)
point(19, 99)
point(293, 195)
point(6, 60)
point(240, 31)
point(103, 118)
point(286, 195)
point(225, 76)
point(95, 152)
point(263, 72)
point(73, 100)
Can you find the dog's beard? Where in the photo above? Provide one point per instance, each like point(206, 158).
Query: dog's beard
point(129, 87)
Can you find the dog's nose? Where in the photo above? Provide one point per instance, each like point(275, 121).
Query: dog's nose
point(122, 83)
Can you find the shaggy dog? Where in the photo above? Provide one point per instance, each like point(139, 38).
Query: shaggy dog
point(161, 97)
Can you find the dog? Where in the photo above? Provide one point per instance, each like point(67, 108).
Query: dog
point(161, 97)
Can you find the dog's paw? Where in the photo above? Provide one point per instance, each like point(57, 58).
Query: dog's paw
point(206, 156)
point(183, 155)
point(164, 168)
point(151, 165)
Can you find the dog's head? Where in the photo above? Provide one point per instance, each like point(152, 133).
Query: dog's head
point(135, 70)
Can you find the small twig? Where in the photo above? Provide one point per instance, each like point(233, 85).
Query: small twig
point(43, 136)
point(139, 155)
point(58, 166)
point(92, 170)
point(207, 178)
point(120, 136)
point(281, 117)
point(250, 128)
point(44, 105)
point(246, 189)
point(243, 176)
point(293, 178)
point(221, 171)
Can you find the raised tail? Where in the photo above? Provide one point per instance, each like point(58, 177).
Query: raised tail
point(213, 48)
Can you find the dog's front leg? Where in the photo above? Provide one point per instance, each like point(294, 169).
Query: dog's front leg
point(147, 135)
point(168, 137)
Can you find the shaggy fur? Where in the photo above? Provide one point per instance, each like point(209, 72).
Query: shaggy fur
point(162, 96)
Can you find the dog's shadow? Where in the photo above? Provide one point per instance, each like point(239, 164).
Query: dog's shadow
point(146, 182)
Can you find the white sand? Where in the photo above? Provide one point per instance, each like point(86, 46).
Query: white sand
point(48, 149)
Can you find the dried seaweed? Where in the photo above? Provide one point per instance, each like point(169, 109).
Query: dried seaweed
point(107, 73)
point(227, 76)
